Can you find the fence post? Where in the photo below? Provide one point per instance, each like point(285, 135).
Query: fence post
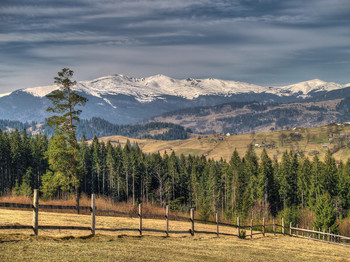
point(319, 234)
point(263, 226)
point(251, 228)
point(324, 234)
point(329, 234)
point(167, 220)
point(140, 216)
point(298, 231)
point(283, 225)
point(238, 229)
point(192, 221)
point(217, 224)
point(93, 215)
point(274, 226)
point(290, 228)
point(36, 212)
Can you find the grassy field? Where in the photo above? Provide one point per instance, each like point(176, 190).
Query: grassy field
point(50, 245)
point(313, 141)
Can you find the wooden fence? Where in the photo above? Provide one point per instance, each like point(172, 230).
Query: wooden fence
point(318, 235)
point(241, 229)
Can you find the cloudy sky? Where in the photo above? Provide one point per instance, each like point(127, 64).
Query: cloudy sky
point(267, 42)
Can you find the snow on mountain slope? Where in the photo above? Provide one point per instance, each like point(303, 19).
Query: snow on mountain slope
point(315, 85)
point(40, 91)
point(5, 94)
point(155, 87)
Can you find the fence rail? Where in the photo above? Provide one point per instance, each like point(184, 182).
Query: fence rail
point(259, 229)
point(16, 205)
point(318, 235)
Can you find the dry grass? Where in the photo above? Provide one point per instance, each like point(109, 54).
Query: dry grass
point(102, 203)
point(344, 227)
point(213, 147)
point(57, 245)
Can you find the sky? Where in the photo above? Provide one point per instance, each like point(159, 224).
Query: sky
point(265, 42)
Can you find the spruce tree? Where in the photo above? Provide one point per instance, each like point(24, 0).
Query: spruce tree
point(325, 214)
point(315, 184)
point(304, 171)
point(238, 183)
point(329, 174)
point(64, 147)
point(251, 166)
point(85, 165)
point(266, 186)
point(343, 187)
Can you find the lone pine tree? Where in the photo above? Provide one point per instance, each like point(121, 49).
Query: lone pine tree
point(63, 148)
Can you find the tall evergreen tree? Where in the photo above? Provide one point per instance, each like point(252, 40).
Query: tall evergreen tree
point(251, 166)
point(304, 173)
point(64, 146)
point(316, 187)
point(325, 214)
point(343, 187)
point(329, 175)
point(266, 187)
point(239, 183)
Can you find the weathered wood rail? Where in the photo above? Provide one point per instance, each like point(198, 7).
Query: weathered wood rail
point(319, 235)
point(260, 229)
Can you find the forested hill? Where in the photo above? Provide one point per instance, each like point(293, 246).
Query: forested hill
point(247, 117)
point(250, 185)
point(100, 127)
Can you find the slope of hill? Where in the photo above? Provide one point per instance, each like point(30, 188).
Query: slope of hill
point(245, 117)
point(124, 100)
point(307, 141)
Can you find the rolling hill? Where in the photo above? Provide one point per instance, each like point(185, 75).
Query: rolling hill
point(307, 141)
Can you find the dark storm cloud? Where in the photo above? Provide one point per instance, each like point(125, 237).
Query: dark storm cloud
point(248, 40)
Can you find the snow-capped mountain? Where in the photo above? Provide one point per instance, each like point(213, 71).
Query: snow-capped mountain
point(121, 99)
point(154, 87)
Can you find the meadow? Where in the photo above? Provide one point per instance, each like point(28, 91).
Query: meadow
point(308, 141)
point(65, 245)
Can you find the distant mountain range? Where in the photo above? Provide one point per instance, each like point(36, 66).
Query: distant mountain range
point(101, 128)
point(127, 100)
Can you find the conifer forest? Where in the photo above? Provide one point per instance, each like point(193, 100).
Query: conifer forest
point(243, 186)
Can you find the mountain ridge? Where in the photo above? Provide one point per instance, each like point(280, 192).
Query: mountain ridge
point(128, 100)
point(153, 87)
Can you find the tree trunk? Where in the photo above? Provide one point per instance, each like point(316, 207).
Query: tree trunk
point(302, 198)
point(118, 187)
point(127, 186)
point(77, 198)
point(133, 188)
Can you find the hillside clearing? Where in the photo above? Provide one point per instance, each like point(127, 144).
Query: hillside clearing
point(19, 245)
point(311, 141)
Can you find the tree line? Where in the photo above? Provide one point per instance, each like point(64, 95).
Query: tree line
point(100, 127)
point(243, 186)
